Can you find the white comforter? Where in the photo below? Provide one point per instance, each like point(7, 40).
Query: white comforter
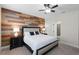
point(38, 41)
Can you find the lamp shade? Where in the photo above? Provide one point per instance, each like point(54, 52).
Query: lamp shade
point(15, 29)
point(43, 29)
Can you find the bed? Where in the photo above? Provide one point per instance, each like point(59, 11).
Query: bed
point(38, 44)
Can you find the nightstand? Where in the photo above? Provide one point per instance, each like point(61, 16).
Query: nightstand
point(16, 42)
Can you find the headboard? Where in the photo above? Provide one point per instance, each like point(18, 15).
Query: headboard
point(30, 29)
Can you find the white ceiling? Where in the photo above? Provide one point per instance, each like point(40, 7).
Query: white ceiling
point(32, 9)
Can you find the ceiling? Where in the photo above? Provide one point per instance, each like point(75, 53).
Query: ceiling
point(32, 9)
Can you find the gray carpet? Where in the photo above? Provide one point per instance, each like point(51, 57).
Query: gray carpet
point(62, 49)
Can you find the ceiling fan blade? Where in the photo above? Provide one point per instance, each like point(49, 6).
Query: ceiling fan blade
point(46, 5)
point(54, 6)
point(42, 10)
point(52, 10)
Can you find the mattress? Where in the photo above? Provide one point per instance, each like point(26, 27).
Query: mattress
point(38, 41)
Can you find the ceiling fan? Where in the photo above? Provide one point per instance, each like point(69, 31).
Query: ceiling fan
point(49, 8)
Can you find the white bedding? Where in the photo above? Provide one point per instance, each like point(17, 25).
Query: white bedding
point(38, 41)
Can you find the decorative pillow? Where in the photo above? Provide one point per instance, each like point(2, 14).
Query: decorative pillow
point(31, 33)
point(36, 32)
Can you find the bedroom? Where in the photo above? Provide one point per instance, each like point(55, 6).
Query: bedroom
point(61, 24)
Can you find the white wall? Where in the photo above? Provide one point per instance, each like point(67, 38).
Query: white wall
point(69, 28)
point(50, 25)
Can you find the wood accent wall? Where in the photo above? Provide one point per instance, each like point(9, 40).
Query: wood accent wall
point(0, 26)
point(11, 19)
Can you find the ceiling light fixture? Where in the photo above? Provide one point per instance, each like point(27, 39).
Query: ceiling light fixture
point(47, 10)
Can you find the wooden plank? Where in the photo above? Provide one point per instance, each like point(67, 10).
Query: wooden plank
point(0, 26)
point(6, 35)
point(6, 24)
point(4, 10)
point(5, 43)
point(6, 32)
point(5, 38)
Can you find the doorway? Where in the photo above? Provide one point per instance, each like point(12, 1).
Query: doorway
point(58, 29)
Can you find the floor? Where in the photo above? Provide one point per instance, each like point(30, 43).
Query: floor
point(62, 49)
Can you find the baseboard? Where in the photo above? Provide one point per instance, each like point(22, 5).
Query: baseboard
point(68, 43)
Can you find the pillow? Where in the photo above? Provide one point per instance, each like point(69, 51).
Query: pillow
point(36, 32)
point(26, 34)
point(31, 33)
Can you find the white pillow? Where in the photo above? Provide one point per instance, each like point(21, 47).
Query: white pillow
point(26, 34)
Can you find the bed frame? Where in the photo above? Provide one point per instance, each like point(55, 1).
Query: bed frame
point(43, 50)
